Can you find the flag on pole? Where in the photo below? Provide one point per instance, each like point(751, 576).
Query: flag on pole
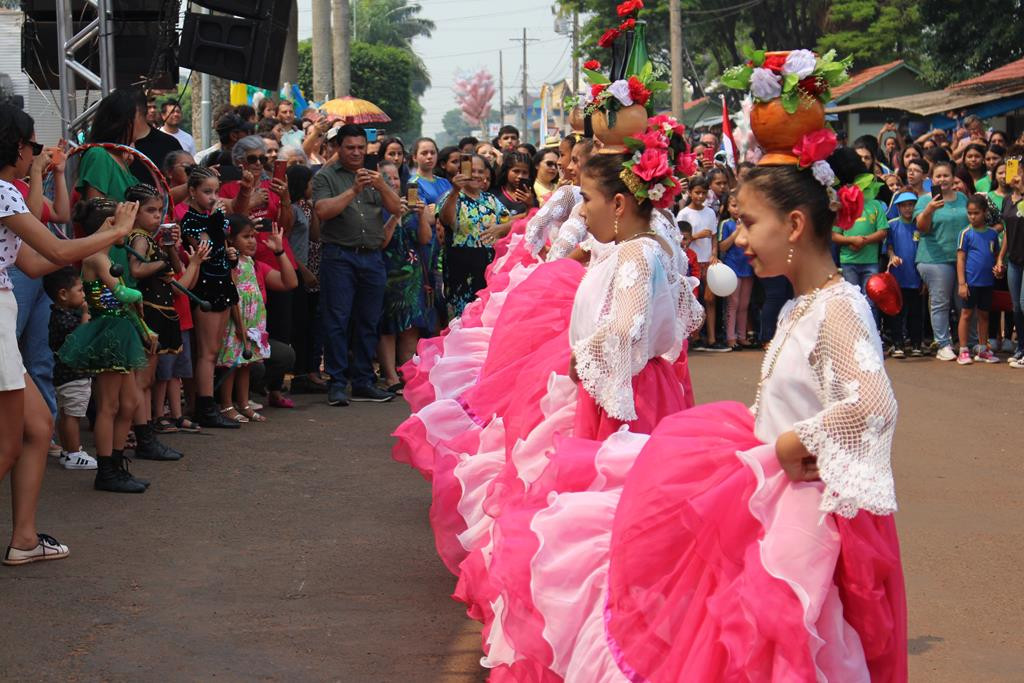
point(728, 143)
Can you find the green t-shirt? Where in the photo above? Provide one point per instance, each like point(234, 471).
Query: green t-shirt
point(99, 170)
point(938, 245)
point(871, 221)
point(983, 184)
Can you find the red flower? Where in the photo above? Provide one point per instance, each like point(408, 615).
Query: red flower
point(671, 191)
point(597, 89)
point(851, 206)
point(637, 91)
point(608, 37)
point(627, 25)
point(653, 164)
point(815, 146)
point(629, 7)
point(652, 139)
point(812, 85)
point(592, 64)
point(774, 62)
point(660, 121)
point(686, 163)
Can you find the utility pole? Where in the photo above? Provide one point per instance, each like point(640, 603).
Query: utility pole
point(576, 49)
point(676, 58)
point(323, 77)
point(526, 104)
point(501, 89)
point(340, 18)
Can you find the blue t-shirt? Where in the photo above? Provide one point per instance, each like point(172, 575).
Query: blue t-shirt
point(981, 247)
point(903, 238)
point(734, 256)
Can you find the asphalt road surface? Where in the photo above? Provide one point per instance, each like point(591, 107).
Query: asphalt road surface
point(298, 550)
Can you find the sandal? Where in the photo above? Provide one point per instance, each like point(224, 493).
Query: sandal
point(186, 425)
point(281, 402)
point(165, 425)
point(253, 416)
point(232, 414)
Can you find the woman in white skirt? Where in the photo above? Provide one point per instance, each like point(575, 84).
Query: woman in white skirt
point(25, 422)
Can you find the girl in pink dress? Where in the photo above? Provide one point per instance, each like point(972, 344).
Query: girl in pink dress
point(731, 544)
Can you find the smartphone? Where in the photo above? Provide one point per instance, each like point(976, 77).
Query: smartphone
point(1012, 169)
point(280, 168)
point(371, 162)
point(371, 135)
point(413, 195)
point(467, 165)
point(709, 155)
point(264, 225)
point(936, 191)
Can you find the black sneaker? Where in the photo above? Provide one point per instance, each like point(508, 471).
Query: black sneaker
point(698, 346)
point(337, 396)
point(719, 347)
point(371, 395)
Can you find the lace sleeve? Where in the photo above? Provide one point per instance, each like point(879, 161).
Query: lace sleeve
point(852, 436)
point(571, 233)
point(545, 222)
point(607, 360)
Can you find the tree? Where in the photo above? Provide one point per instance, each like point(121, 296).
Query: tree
point(455, 126)
point(873, 32)
point(383, 75)
point(962, 39)
point(395, 23)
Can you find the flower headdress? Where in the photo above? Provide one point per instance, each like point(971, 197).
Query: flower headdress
point(650, 173)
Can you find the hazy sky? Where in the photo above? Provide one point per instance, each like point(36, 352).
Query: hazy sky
point(469, 35)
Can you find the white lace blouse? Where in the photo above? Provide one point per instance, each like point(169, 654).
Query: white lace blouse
point(829, 385)
point(631, 306)
point(544, 224)
point(11, 203)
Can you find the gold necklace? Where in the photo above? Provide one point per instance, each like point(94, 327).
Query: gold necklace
point(798, 313)
point(646, 233)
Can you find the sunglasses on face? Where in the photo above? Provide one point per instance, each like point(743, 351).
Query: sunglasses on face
point(253, 159)
point(37, 148)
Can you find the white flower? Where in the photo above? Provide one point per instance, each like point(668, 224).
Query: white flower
point(655, 192)
point(637, 328)
point(765, 85)
point(620, 89)
point(636, 157)
point(799, 62)
point(628, 274)
point(867, 356)
point(823, 173)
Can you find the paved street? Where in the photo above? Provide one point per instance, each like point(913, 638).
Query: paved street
point(297, 550)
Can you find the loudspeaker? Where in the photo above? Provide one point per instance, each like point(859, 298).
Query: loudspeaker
point(134, 45)
point(46, 10)
point(278, 11)
point(242, 50)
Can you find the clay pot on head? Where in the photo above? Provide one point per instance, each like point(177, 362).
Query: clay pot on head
point(629, 121)
point(576, 119)
point(778, 132)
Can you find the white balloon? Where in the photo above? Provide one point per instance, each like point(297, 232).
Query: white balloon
point(721, 279)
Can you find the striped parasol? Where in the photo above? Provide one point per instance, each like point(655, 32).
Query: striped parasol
point(354, 110)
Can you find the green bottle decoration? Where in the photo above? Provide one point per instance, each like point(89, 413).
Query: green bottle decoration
point(638, 58)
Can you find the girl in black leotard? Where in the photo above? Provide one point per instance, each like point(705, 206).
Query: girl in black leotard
point(204, 222)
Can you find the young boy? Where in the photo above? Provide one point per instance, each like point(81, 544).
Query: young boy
point(901, 245)
point(975, 273)
point(686, 230)
point(705, 245)
point(64, 287)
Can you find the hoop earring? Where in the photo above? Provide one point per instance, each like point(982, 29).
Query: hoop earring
point(789, 256)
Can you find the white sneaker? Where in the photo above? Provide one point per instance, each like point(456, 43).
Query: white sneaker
point(77, 460)
point(945, 353)
point(48, 548)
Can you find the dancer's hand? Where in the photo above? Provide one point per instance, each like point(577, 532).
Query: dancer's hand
point(572, 369)
point(794, 459)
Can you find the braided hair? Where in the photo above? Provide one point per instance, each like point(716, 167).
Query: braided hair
point(91, 213)
point(142, 193)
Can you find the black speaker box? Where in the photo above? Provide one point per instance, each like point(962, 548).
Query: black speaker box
point(242, 50)
point(46, 10)
point(278, 11)
point(134, 46)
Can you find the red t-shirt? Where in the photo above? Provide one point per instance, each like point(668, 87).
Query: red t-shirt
point(261, 276)
point(24, 189)
point(694, 269)
point(272, 211)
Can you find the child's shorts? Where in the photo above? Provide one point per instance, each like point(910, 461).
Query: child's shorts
point(73, 397)
point(979, 298)
point(176, 365)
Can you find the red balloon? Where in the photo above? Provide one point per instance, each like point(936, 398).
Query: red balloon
point(883, 289)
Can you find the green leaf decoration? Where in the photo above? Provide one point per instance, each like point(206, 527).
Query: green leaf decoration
point(634, 144)
point(790, 101)
point(596, 77)
point(646, 72)
point(658, 86)
point(789, 82)
point(738, 77)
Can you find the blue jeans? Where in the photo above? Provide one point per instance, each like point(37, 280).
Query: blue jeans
point(34, 333)
point(940, 278)
point(777, 291)
point(857, 274)
point(1015, 281)
point(352, 297)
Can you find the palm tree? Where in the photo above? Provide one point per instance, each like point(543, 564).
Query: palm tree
point(394, 23)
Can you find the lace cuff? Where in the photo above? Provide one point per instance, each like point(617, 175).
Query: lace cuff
point(545, 222)
point(852, 436)
point(572, 232)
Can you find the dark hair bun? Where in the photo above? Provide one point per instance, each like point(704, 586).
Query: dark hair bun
point(846, 164)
